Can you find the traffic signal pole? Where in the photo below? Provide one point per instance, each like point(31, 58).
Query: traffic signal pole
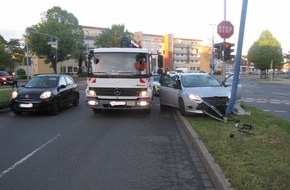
point(223, 52)
point(238, 58)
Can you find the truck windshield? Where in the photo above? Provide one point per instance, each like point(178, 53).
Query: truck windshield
point(120, 64)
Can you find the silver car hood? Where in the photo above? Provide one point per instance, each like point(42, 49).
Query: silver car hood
point(208, 91)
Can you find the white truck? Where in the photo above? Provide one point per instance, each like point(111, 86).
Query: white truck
point(120, 78)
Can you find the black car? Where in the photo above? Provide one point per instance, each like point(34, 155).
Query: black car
point(47, 92)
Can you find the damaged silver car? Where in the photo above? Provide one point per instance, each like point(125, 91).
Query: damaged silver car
point(198, 93)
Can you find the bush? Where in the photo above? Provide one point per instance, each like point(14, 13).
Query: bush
point(21, 72)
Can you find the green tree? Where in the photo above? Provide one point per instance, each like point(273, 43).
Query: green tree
point(5, 57)
point(111, 37)
point(56, 25)
point(16, 51)
point(265, 50)
point(11, 52)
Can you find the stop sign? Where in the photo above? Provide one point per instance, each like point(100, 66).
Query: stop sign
point(225, 29)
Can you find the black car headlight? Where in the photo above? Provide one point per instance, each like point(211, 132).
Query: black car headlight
point(45, 95)
point(14, 94)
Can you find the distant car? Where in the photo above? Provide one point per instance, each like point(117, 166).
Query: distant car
point(5, 78)
point(49, 92)
point(156, 85)
point(228, 83)
point(194, 93)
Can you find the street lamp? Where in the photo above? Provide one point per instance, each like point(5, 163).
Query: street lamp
point(212, 49)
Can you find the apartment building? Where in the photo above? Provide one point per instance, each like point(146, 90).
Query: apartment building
point(177, 52)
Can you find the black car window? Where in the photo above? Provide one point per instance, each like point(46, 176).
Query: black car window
point(69, 80)
point(62, 81)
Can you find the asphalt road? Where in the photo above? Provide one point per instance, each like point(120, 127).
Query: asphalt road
point(78, 149)
point(270, 96)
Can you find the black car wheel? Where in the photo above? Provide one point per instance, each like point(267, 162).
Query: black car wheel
point(76, 100)
point(16, 112)
point(97, 110)
point(182, 107)
point(55, 107)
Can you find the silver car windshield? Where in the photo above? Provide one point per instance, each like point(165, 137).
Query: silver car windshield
point(199, 81)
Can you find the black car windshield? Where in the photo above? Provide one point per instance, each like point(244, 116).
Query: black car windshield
point(199, 81)
point(42, 82)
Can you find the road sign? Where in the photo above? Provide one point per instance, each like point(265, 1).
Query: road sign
point(53, 44)
point(225, 29)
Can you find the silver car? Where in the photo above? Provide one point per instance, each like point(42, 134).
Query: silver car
point(194, 93)
point(228, 82)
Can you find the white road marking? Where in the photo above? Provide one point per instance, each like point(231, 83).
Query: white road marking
point(27, 157)
point(280, 111)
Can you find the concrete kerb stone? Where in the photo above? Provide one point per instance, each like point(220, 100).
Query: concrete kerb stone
point(214, 171)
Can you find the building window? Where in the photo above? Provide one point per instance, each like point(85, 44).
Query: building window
point(63, 69)
point(69, 69)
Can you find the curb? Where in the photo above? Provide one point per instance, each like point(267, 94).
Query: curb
point(5, 110)
point(214, 171)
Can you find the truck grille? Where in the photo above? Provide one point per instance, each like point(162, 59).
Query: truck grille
point(118, 91)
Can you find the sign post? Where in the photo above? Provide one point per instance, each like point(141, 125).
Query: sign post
point(225, 29)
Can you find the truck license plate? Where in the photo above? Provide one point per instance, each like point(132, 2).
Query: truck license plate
point(116, 103)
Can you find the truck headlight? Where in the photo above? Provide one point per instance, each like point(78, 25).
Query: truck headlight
point(91, 93)
point(144, 93)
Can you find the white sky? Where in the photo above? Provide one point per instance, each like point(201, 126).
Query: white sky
point(190, 19)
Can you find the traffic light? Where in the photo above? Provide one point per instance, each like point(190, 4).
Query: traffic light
point(228, 50)
point(218, 48)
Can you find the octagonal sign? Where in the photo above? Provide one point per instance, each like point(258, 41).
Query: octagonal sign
point(225, 29)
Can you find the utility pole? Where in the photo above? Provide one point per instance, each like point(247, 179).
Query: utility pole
point(223, 56)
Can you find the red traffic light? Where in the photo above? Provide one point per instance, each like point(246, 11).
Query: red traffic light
point(227, 45)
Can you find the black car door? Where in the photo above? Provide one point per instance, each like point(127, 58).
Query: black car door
point(63, 91)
